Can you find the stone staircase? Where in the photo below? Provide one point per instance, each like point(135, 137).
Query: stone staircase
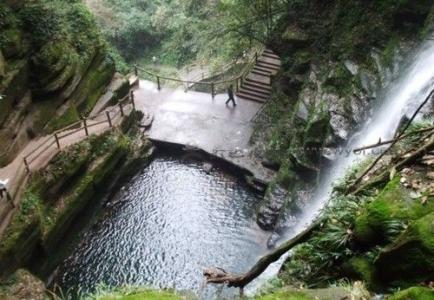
point(257, 85)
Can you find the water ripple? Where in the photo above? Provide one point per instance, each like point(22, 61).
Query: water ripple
point(162, 228)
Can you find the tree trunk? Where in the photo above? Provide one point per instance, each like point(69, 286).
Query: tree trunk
point(240, 281)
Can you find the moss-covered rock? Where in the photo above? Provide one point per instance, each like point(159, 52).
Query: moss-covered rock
point(410, 258)
point(360, 268)
point(141, 295)
point(54, 49)
point(390, 208)
point(333, 293)
point(413, 293)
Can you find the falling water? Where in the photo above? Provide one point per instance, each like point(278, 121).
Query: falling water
point(401, 97)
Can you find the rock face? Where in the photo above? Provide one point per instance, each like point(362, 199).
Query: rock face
point(271, 208)
point(57, 195)
point(54, 66)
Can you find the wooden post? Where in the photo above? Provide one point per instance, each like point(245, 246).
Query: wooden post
point(26, 164)
point(86, 130)
point(132, 100)
point(256, 57)
point(237, 88)
point(121, 108)
point(136, 71)
point(109, 119)
point(212, 89)
point(56, 137)
point(158, 83)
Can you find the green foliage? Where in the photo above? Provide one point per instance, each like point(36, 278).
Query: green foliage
point(312, 262)
point(175, 32)
point(131, 293)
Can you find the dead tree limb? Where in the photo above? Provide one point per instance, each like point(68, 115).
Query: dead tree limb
point(372, 165)
point(418, 153)
point(240, 281)
point(393, 140)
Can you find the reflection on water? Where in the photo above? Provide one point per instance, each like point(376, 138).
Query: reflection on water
point(164, 226)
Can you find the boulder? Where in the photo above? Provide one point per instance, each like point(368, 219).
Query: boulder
point(271, 208)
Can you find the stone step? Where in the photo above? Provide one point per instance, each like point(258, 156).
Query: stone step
point(256, 89)
point(257, 85)
point(271, 55)
point(268, 66)
point(263, 69)
point(251, 98)
point(253, 93)
point(259, 72)
point(258, 79)
point(269, 61)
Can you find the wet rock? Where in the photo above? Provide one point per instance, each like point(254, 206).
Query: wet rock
point(352, 67)
point(272, 207)
point(207, 167)
point(272, 165)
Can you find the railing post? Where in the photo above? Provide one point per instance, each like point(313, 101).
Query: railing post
point(121, 108)
point(212, 89)
point(158, 83)
point(56, 137)
point(237, 87)
point(256, 57)
point(26, 165)
point(86, 130)
point(132, 100)
point(109, 119)
point(136, 71)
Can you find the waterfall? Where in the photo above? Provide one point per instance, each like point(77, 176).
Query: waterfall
point(399, 98)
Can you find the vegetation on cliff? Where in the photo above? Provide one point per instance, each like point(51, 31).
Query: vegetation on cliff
point(54, 66)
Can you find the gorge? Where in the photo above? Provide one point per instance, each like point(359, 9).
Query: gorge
point(123, 213)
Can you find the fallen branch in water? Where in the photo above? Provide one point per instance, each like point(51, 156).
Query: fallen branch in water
point(220, 276)
point(351, 188)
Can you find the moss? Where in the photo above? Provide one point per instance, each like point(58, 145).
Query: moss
point(413, 293)
point(94, 83)
point(143, 295)
point(361, 268)
point(286, 295)
point(332, 293)
point(410, 258)
point(393, 205)
point(70, 116)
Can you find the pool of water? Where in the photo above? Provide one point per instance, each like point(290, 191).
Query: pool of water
point(164, 227)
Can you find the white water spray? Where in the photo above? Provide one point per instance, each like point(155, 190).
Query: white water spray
point(401, 97)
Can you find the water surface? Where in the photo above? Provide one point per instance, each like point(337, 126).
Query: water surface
point(164, 226)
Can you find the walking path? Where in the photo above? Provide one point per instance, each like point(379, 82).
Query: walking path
point(40, 151)
point(192, 119)
point(203, 121)
point(197, 120)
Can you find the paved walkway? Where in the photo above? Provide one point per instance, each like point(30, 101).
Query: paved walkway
point(195, 119)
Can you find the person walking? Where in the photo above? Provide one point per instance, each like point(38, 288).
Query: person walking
point(231, 95)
